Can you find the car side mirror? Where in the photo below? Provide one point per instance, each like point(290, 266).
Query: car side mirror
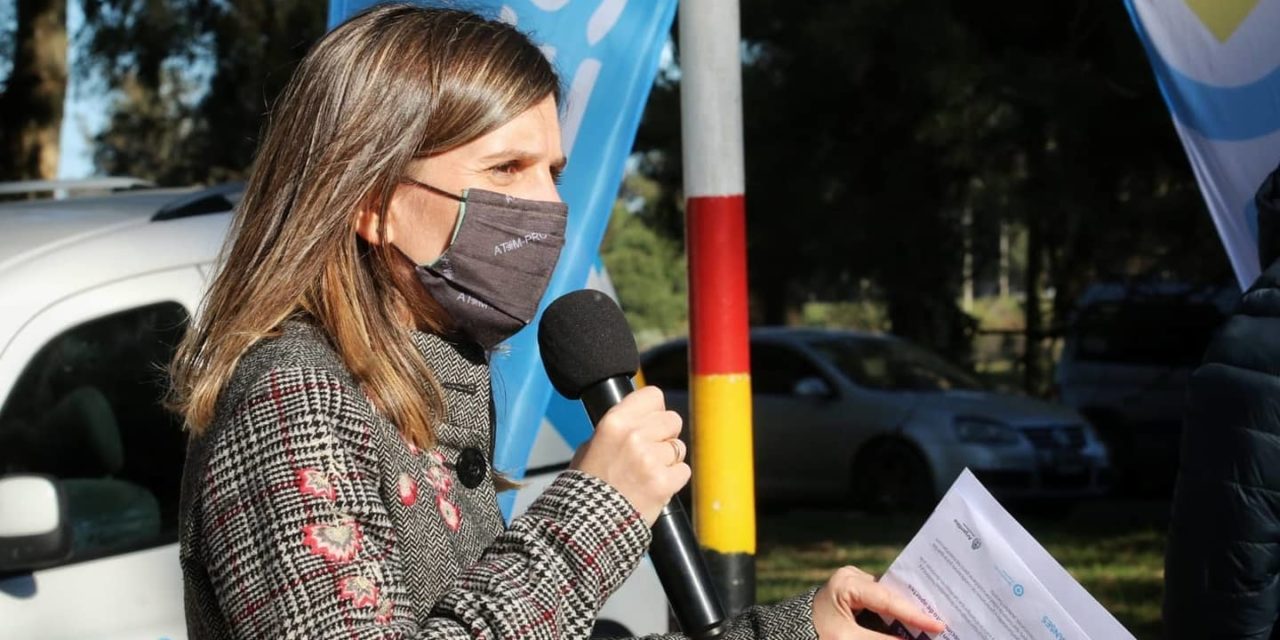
point(34, 529)
point(812, 387)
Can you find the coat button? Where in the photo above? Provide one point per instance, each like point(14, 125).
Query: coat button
point(471, 467)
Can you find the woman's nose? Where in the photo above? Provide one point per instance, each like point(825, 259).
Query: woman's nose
point(546, 190)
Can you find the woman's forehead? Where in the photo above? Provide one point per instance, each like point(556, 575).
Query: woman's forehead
point(534, 134)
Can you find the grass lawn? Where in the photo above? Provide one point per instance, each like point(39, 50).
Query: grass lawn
point(1114, 548)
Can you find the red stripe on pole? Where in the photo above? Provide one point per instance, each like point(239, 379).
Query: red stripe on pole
point(716, 232)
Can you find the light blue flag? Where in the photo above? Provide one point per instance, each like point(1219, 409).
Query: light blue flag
point(1218, 65)
point(607, 53)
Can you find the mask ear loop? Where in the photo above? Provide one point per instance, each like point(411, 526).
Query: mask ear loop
point(438, 190)
point(457, 225)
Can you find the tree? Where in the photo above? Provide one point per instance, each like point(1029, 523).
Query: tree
point(839, 185)
point(875, 129)
point(1070, 140)
point(31, 105)
point(647, 269)
point(167, 125)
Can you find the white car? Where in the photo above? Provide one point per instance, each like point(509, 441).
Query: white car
point(95, 293)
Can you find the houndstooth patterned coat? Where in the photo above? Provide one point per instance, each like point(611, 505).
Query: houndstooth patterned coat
point(306, 515)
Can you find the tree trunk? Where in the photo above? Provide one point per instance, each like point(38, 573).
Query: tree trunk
point(770, 306)
point(1031, 352)
point(1004, 259)
point(966, 268)
point(31, 105)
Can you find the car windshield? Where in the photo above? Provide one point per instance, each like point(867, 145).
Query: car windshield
point(893, 365)
point(1149, 332)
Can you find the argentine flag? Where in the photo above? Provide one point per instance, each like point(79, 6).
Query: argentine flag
point(1218, 65)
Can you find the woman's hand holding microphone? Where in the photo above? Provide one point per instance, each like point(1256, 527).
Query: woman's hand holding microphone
point(636, 449)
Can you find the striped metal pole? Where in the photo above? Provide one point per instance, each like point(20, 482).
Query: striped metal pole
point(715, 228)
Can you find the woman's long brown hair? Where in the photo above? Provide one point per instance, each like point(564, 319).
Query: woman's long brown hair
point(392, 84)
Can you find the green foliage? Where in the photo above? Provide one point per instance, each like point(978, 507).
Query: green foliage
point(648, 272)
point(862, 315)
point(156, 120)
point(995, 313)
point(169, 123)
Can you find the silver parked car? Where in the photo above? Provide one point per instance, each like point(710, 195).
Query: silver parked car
point(880, 422)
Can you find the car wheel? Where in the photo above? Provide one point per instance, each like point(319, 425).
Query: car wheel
point(892, 476)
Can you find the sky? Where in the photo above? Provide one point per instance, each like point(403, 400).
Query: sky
point(83, 115)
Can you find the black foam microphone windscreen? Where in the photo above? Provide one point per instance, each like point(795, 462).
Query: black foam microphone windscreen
point(584, 339)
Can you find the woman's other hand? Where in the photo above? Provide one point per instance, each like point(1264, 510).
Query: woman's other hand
point(636, 450)
point(852, 590)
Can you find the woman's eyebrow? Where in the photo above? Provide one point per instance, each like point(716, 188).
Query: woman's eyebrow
point(521, 155)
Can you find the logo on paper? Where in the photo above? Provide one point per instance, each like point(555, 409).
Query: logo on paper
point(975, 542)
point(1014, 585)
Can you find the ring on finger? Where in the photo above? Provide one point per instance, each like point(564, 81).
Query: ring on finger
point(678, 447)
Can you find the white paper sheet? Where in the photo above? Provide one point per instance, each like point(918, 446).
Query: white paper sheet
point(973, 566)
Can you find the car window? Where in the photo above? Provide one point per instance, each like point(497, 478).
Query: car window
point(775, 369)
point(1152, 332)
point(668, 368)
point(892, 365)
point(87, 410)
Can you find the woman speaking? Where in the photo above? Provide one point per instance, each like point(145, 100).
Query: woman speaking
point(336, 383)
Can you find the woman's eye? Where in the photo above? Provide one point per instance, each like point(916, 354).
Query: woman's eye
point(506, 168)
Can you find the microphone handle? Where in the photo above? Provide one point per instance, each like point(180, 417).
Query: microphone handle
point(674, 551)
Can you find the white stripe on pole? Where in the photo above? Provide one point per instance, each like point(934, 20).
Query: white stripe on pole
point(712, 88)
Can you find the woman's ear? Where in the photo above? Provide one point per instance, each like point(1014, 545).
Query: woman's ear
point(367, 223)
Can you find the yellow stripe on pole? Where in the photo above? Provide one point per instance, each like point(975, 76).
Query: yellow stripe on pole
point(724, 500)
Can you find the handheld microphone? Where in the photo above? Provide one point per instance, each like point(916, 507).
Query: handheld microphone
point(589, 353)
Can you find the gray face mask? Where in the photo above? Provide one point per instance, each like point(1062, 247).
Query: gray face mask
point(498, 263)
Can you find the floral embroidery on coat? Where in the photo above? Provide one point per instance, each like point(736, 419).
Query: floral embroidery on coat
point(439, 478)
point(408, 489)
point(442, 481)
point(337, 543)
point(361, 591)
point(315, 482)
point(384, 611)
point(449, 512)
